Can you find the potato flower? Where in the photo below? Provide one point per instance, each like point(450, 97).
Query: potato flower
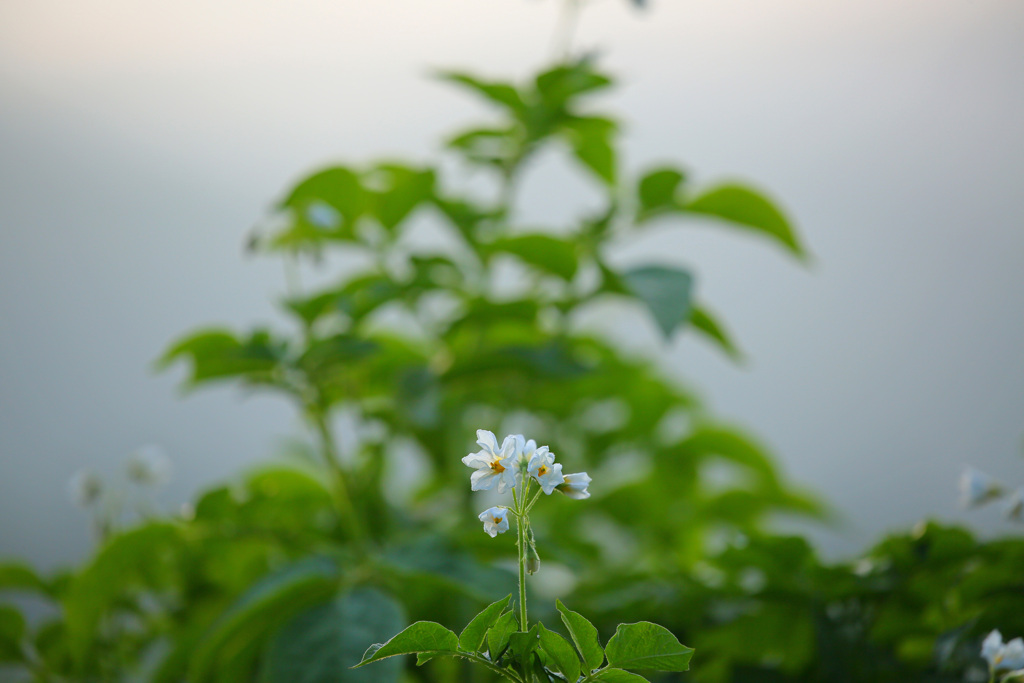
point(545, 470)
point(495, 520)
point(575, 485)
point(1000, 656)
point(494, 465)
point(976, 487)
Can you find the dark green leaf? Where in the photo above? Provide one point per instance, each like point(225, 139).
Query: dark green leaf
point(704, 322)
point(618, 676)
point(548, 253)
point(12, 631)
point(644, 645)
point(472, 637)
point(498, 635)
point(749, 209)
point(563, 658)
point(665, 291)
point(522, 645)
point(421, 637)
point(322, 644)
point(21, 577)
point(584, 635)
point(219, 354)
point(265, 607)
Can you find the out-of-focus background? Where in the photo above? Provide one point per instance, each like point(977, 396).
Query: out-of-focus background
point(139, 143)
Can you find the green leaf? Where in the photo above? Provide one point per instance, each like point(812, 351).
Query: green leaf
point(498, 635)
point(322, 644)
point(563, 658)
point(522, 645)
point(543, 251)
point(559, 85)
point(502, 94)
point(591, 141)
point(665, 291)
point(644, 645)
point(17, 576)
point(421, 637)
point(472, 637)
point(658, 192)
point(618, 676)
point(704, 322)
point(218, 354)
point(397, 190)
point(12, 631)
point(746, 208)
point(265, 607)
point(584, 636)
point(338, 187)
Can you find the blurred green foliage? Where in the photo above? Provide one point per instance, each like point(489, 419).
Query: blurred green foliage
point(288, 574)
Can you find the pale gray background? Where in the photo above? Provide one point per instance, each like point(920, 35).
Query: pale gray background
point(140, 141)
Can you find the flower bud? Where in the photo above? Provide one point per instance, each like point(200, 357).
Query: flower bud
point(532, 558)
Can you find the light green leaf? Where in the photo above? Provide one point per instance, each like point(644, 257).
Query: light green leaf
point(563, 658)
point(543, 251)
point(397, 191)
point(591, 141)
point(338, 187)
point(618, 676)
point(561, 84)
point(17, 576)
point(502, 94)
point(704, 322)
point(658, 192)
point(218, 354)
point(749, 209)
point(644, 645)
point(472, 637)
point(321, 644)
point(498, 635)
point(665, 291)
point(421, 637)
point(584, 635)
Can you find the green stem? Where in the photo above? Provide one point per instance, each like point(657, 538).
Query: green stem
point(507, 673)
point(521, 529)
point(333, 460)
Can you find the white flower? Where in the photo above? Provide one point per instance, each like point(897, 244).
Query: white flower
point(495, 521)
point(1015, 506)
point(494, 465)
point(575, 485)
point(977, 487)
point(545, 470)
point(148, 466)
point(85, 488)
point(1001, 657)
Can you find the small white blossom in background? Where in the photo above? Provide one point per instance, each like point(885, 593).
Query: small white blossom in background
point(495, 521)
point(1000, 656)
point(976, 488)
point(494, 465)
point(575, 485)
point(85, 488)
point(545, 470)
point(148, 466)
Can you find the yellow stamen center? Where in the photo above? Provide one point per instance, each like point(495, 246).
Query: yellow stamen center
point(497, 520)
point(541, 471)
point(497, 467)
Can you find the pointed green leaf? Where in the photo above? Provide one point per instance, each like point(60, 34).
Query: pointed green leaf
point(748, 209)
point(18, 576)
point(584, 636)
point(498, 635)
point(561, 84)
point(657, 192)
point(705, 323)
point(644, 645)
point(563, 658)
point(548, 253)
point(472, 637)
point(502, 94)
point(665, 291)
point(618, 676)
point(423, 636)
point(339, 188)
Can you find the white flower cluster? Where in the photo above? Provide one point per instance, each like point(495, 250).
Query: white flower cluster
point(518, 461)
point(977, 488)
point(1003, 657)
